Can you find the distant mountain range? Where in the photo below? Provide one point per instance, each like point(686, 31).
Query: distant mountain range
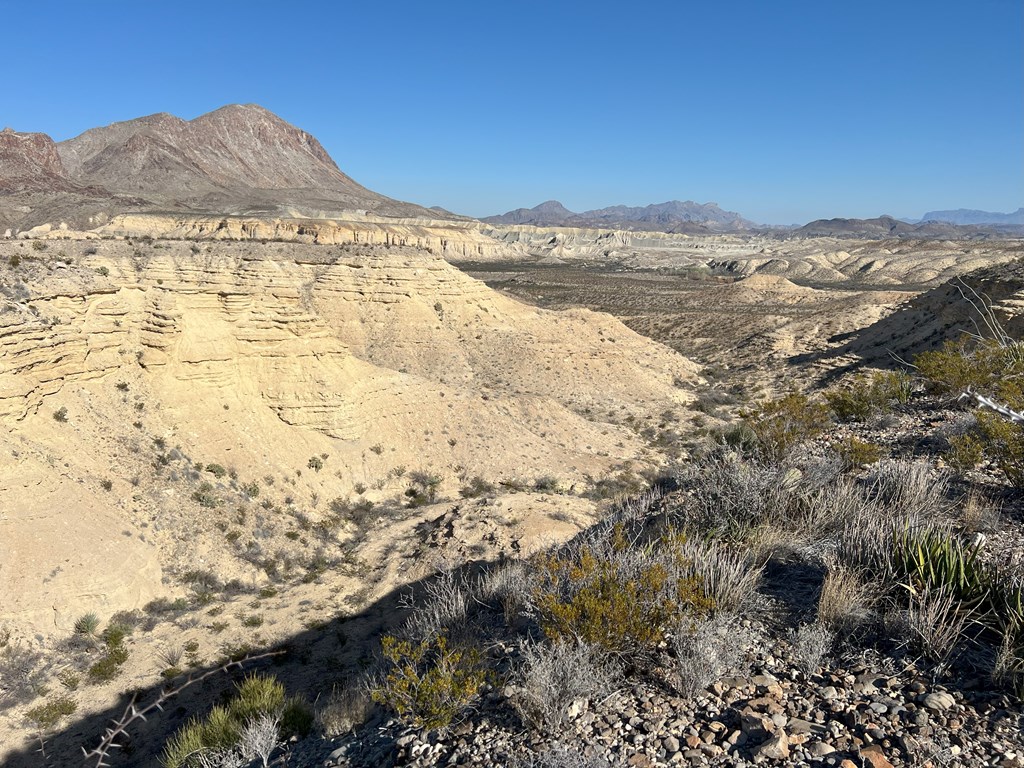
point(673, 216)
point(970, 216)
point(243, 160)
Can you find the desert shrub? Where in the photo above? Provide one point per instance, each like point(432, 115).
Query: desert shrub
point(706, 650)
point(867, 396)
point(728, 494)
point(983, 365)
point(617, 486)
point(205, 496)
point(476, 486)
point(855, 453)
point(315, 463)
point(61, 415)
point(243, 725)
point(108, 666)
point(216, 470)
point(45, 716)
point(429, 683)
point(346, 709)
point(965, 453)
point(781, 424)
point(69, 679)
point(423, 489)
point(546, 484)
point(990, 367)
point(23, 672)
point(553, 676)
point(615, 594)
point(116, 633)
point(39, 245)
point(810, 644)
point(558, 756)
point(1003, 441)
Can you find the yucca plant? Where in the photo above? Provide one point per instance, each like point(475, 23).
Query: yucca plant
point(932, 560)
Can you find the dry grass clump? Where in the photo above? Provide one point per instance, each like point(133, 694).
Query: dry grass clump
point(728, 577)
point(845, 601)
point(811, 643)
point(936, 620)
point(554, 675)
point(706, 650)
point(346, 709)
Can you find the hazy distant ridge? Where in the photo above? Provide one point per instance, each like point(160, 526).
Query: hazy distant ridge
point(671, 216)
point(972, 216)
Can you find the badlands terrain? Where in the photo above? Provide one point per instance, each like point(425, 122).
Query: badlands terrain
point(248, 406)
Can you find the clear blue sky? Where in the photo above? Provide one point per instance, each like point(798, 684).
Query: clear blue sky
point(782, 110)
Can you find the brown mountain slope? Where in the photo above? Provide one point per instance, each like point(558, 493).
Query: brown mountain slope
point(235, 158)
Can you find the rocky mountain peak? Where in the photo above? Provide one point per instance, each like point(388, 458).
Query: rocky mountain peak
point(30, 162)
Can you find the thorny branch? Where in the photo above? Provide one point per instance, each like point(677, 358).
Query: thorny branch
point(132, 712)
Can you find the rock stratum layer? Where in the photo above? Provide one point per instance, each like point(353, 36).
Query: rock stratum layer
point(257, 358)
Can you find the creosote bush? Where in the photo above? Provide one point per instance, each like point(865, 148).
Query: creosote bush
point(429, 683)
point(780, 425)
point(870, 396)
point(619, 595)
point(45, 716)
point(856, 453)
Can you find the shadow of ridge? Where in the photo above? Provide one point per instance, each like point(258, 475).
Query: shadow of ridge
point(312, 663)
point(922, 323)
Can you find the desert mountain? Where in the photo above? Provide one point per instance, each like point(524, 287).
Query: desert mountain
point(884, 227)
point(970, 216)
point(239, 159)
point(672, 216)
point(30, 162)
point(233, 157)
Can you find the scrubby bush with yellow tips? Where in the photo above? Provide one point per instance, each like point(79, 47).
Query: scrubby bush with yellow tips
point(994, 369)
point(615, 594)
point(854, 452)
point(986, 365)
point(869, 396)
point(429, 683)
point(781, 424)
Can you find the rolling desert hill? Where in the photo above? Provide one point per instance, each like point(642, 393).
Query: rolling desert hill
point(257, 361)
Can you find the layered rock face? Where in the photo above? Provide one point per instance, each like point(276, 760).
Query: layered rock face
point(260, 357)
point(29, 162)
